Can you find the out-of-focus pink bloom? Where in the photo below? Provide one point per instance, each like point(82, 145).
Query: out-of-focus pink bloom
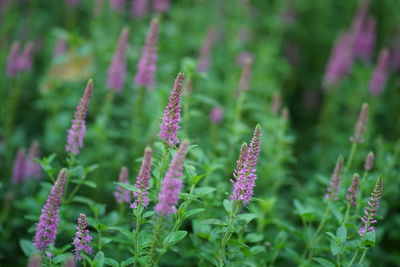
point(117, 4)
point(244, 83)
point(379, 77)
point(72, 2)
point(365, 40)
point(395, 58)
point(336, 179)
point(117, 69)
point(288, 15)
point(121, 194)
point(204, 60)
point(60, 48)
point(33, 168)
point(25, 59)
point(161, 5)
point(139, 8)
point(243, 57)
point(351, 195)
point(12, 63)
point(19, 168)
point(35, 261)
point(361, 125)
point(276, 103)
point(217, 115)
point(147, 65)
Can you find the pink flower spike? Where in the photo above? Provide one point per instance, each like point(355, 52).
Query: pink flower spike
point(379, 77)
point(117, 5)
point(361, 125)
point(121, 194)
point(336, 179)
point(161, 5)
point(82, 238)
point(147, 65)
point(217, 115)
point(78, 128)
point(19, 168)
point(142, 181)
point(12, 63)
point(25, 59)
point(139, 8)
point(117, 69)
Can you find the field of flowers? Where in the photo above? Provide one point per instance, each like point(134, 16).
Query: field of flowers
point(200, 133)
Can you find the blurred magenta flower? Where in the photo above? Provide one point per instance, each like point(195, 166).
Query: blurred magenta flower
point(35, 261)
point(60, 48)
point(117, 68)
point(142, 181)
point(372, 207)
point(25, 59)
point(217, 115)
point(46, 229)
point(72, 2)
point(161, 5)
point(117, 4)
point(204, 60)
point(336, 179)
point(82, 238)
point(139, 8)
point(361, 125)
point(33, 168)
point(244, 184)
point(78, 128)
point(369, 161)
point(121, 194)
point(13, 56)
point(243, 57)
point(365, 40)
point(244, 83)
point(146, 67)
point(19, 168)
point(169, 195)
point(172, 114)
point(379, 77)
point(351, 195)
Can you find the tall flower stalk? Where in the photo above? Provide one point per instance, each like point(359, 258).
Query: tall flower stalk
point(78, 128)
point(172, 114)
point(82, 238)
point(46, 229)
point(121, 194)
point(379, 77)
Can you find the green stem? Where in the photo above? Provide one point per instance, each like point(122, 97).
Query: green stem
point(138, 213)
point(354, 258)
point(163, 166)
point(227, 234)
point(363, 256)
point(350, 159)
point(156, 240)
point(346, 216)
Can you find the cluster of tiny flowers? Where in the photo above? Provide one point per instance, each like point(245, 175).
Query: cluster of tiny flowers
point(142, 181)
point(139, 8)
point(245, 172)
point(204, 60)
point(244, 84)
point(146, 67)
point(78, 128)
point(217, 115)
point(25, 165)
point(365, 40)
point(121, 194)
point(117, 69)
point(82, 238)
point(372, 207)
point(19, 61)
point(361, 125)
point(379, 77)
point(169, 195)
point(161, 5)
point(46, 229)
point(351, 195)
point(336, 179)
point(369, 161)
point(172, 114)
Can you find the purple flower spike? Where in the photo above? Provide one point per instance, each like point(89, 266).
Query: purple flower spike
point(172, 113)
point(204, 60)
point(239, 163)
point(19, 167)
point(336, 179)
point(121, 194)
point(46, 229)
point(369, 161)
point(217, 115)
point(244, 185)
point(146, 67)
point(60, 48)
point(361, 125)
point(351, 195)
point(161, 5)
point(25, 59)
point(117, 4)
point(372, 207)
point(33, 168)
point(139, 8)
point(365, 40)
point(169, 195)
point(12, 63)
point(244, 84)
point(142, 181)
point(82, 238)
point(78, 128)
point(379, 77)
point(117, 69)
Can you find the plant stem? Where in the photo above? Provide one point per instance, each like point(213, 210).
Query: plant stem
point(156, 240)
point(163, 165)
point(138, 213)
point(354, 258)
point(346, 215)
point(227, 234)
point(350, 159)
point(363, 256)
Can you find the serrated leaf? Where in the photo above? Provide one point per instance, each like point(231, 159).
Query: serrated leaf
point(341, 233)
point(335, 248)
point(175, 237)
point(227, 205)
point(324, 262)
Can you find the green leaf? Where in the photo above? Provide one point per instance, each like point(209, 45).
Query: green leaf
point(227, 205)
point(324, 262)
point(210, 258)
point(111, 262)
point(148, 214)
point(87, 183)
point(299, 207)
point(27, 247)
point(175, 237)
point(341, 233)
point(332, 236)
point(60, 258)
point(83, 200)
point(214, 222)
point(248, 217)
point(202, 191)
point(335, 248)
point(198, 178)
point(99, 259)
point(128, 261)
point(128, 187)
point(254, 237)
point(193, 212)
point(369, 239)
